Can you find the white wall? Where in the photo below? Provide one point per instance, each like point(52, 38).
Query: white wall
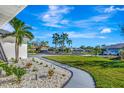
point(9, 49)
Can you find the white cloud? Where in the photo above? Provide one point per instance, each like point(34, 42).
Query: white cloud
point(64, 21)
point(91, 22)
point(106, 30)
point(99, 18)
point(112, 9)
point(54, 16)
point(34, 28)
point(84, 35)
point(8, 27)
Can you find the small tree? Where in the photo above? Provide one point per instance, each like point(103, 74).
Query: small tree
point(19, 72)
point(97, 50)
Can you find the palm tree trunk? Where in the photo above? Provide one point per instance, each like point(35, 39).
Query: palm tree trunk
point(55, 47)
point(63, 47)
point(16, 51)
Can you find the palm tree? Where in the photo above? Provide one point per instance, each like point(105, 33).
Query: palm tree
point(63, 39)
point(121, 52)
point(69, 42)
point(82, 47)
point(97, 50)
point(21, 31)
point(56, 38)
point(44, 43)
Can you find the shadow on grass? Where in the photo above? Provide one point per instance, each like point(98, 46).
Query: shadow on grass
point(114, 64)
point(104, 64)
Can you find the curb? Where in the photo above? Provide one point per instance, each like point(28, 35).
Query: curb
point(45, 59)
point(79, 69)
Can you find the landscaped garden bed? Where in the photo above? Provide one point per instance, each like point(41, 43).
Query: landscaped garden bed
point(39, 74)
point(107, 73)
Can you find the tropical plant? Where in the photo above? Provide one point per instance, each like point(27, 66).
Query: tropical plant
point(97, 50)
point(69, 42)
point(121, 54)
point(122, 28)
point(21, 31)
point(19, 72)
point(44, 43)
point(28, 65)
point(50, 73)
point(103, 49)
point(122, 50)
point(8, 69)
point(63, 40)
point(56, 39)
point(82, 47)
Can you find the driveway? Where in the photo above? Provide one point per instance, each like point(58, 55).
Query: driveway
point(80, 78)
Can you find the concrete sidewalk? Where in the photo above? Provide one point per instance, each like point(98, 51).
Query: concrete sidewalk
point(80, 78)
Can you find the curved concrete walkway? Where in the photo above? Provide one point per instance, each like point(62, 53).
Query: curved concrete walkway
point(80, 78)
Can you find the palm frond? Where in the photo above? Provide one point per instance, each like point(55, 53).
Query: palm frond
point(29, 35)
point(27, 28)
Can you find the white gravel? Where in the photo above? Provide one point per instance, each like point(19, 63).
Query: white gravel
point(41, 68)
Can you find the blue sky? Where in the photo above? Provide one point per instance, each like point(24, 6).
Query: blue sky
point(86, 25)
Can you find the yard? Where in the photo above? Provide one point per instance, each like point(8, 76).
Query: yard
point(108, 73)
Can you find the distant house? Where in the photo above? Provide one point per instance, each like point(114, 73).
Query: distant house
point(113, 49)
point(44, 49)
point(77, 50)
point(7, 47)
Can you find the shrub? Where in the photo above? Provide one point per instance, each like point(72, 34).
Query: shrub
point(50, 73)
point(19, 72)
point(1, 63)
point(46, 65)
point(122, 54)
point(63, 75)
point(41, 63)
point(28, 65)
point(35, 69)
point(33, 59)
point(7, 69)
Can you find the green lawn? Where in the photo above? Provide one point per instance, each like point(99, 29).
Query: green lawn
point(107, 73)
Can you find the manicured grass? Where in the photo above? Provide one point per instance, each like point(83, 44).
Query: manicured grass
point(107, 73)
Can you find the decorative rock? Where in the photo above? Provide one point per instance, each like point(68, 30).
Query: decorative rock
point(38, 78)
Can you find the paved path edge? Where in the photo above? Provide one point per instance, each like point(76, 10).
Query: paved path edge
point(72, 72)
point(45, 59)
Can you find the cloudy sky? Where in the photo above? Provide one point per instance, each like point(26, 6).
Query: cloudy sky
point(86, 25)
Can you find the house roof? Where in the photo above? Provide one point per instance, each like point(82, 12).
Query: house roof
point(9, 38)
point(7, 12)
point(120, 45)
point(2, 32)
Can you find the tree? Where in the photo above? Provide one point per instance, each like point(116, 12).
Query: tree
point(44, 43)
point(63, 40)
point(56, 38)
point(21, 30)
point(103, 48)
point(97, 50)
point(69, 42)
point(82, 47)
point(121, 54)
